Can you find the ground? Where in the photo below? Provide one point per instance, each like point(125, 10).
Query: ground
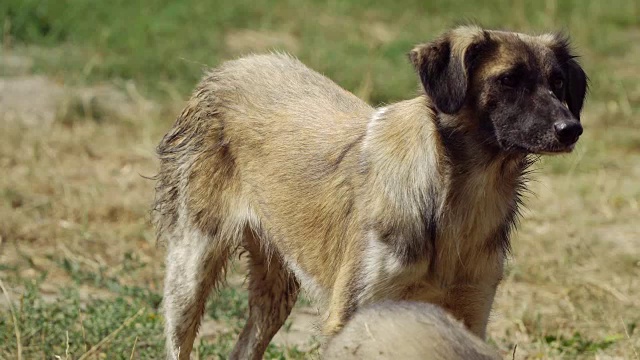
point(85, 99)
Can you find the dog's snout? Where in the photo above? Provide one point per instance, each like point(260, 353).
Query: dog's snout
point(567, 132)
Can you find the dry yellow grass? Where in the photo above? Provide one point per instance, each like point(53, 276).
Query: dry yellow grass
point(77, 189)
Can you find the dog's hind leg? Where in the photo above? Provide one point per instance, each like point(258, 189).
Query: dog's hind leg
point(194, 266)
point(273, 291)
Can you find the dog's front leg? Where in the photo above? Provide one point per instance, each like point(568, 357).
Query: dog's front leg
point(471, 303)
point(470, 297)
point(344, 297)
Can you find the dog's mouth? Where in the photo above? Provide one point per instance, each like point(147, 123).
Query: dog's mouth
point(555, 149)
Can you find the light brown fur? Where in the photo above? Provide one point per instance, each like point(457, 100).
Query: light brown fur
point(352, 203)
point(408, 331)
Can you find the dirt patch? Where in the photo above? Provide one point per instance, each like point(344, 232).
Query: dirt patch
point(11, 64)
point(298, 331)
point(33, 100)
point(38, 101)
point(105, 103)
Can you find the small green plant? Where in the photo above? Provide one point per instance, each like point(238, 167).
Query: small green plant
point(70, 327)
point(100, 279)
point(230, 305)
point(577, 344)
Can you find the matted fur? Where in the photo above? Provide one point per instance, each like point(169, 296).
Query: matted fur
point(413, 201)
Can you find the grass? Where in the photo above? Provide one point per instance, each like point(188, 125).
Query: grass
point(164, 45)
point(77, 253)
point(128, 319)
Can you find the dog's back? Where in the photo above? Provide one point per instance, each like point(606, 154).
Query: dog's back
point(406, 330)
point(257, 159)
point(229, 143)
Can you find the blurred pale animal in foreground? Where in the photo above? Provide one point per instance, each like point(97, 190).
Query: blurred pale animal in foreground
point(406, 330)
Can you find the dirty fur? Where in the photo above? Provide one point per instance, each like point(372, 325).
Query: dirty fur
point(412, 201)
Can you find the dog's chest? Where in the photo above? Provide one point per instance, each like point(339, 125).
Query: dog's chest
point(466, 247)
point(474, 213)
point(467, 224)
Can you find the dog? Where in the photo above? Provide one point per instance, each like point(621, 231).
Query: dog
point(414, 200)
point(406, 330)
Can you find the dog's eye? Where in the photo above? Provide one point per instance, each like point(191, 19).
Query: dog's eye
point(557, 83)
point(508, 80)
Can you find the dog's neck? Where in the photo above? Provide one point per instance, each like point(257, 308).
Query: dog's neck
point(435, 170)
point(408, 128)
point(468, 143)
point(477, 165)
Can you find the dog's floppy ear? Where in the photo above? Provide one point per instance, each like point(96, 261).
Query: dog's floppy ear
point(444, 64)
point(576, 79)
point(576, 88)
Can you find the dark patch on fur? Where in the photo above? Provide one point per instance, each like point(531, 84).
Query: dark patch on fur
point(465, 148)
point(431, 229)
point(408, 247)
point(412, 243)
point(332, 161)
point(355, 286)
point(346, 149)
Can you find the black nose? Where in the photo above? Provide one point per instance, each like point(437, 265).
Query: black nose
point(568, 132)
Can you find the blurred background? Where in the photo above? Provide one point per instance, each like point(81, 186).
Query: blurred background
point(88, 88)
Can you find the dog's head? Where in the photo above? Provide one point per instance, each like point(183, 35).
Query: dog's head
point(525, 92)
